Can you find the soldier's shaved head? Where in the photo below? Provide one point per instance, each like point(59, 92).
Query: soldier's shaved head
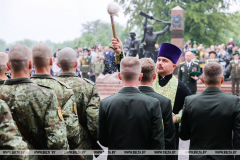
point(212, 73)
point(130, 68)
point(67, 58)
point(42, 54)
point(3, 61)
point(148, 68)
point(19, 57)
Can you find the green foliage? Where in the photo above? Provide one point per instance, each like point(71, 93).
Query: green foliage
point(204, 19)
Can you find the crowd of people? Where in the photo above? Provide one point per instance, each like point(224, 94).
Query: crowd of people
point(41, 112)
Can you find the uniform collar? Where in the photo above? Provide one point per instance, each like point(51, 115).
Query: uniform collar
point(129, 89)
point(211, 89)
point(17, 81)
point(43, 76)
point(67, 74)
point(145, 88)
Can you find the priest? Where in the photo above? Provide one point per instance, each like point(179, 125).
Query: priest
point(167, 84)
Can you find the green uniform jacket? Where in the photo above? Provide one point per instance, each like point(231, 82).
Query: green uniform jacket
point(88, 108)
point(37, 111)
point(131, 120)
point(10, 137)
point(234, 69)
point(67, 103)
point(85, 64)
point(184, 75)
point(209, 120)
point(166, 108)
point(98, 67)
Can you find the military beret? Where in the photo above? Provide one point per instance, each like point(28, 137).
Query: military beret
point(212, 52)
point(196, 73)
point(236, 53)
point(85, 49)
point(193, 51)
point(195, 42)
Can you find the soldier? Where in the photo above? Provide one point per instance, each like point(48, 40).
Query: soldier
point(235, 72)
point(85, 64)
point(11, 138)
point(83, 89)
point(42, 59)
point(35, 109)
point(3, 67)
point(98, 67)
point(212, 58)
point(209, 118)
point(194, 59)
point(195, 48)
point(149, 75)
point(184, 71)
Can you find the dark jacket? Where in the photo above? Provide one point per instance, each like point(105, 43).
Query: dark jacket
point(130, 120)
point(208, 120)
point(184, 75)
point(166, 108)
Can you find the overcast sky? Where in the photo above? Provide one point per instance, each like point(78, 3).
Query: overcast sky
point(56, 20)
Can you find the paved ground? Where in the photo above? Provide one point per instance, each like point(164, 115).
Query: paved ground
point(183, 145)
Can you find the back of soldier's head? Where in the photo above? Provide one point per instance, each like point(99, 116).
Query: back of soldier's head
point(212, 73)
point(67, 58)
point(42, 54)
point(130, 69)
point(3, 61)
point(148, 68)
point(19, 57)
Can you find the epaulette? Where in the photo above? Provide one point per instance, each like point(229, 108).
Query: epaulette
point(63, 84)
point(87, 80)
point(197, 60)
point(195, 63)
point(182, 63)
point(44, 86)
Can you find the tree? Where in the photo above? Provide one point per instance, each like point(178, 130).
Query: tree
point(204, 19)
point(98, 32)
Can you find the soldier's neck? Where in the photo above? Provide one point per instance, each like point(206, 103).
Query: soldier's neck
point(147, 83)
point(43, 70)
point(3, 76)
point(70, 70)
point(130, 84)
point(21, 74)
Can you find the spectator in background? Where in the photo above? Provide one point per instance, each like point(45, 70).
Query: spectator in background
point(94, 55)
point(56, 70)
point(7, 50)
point(231, 42)
point(206, 56)
point(98, 68)
point(157, 46)
point(109, 62)
point(212, 48)
point(216, 48)
point(188, 46)
point(56, 53)
point(224, 47)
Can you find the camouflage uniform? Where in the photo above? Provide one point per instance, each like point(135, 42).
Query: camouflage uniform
point(38, 113)
point(1, 82)
point(98, 67)
point(88, 112)
point(10, 137)
point(66, 101)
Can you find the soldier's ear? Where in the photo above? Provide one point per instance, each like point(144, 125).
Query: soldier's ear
point(202, 80)
point(154, 76)
point(75, 64)
point(8, 66)
point(222, 80)
point(51, 62)
point(30, 64)
point(140, 77)
point(119, 76)
point(58, 65)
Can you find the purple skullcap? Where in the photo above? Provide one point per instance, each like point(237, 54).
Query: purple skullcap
point(170, 51)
